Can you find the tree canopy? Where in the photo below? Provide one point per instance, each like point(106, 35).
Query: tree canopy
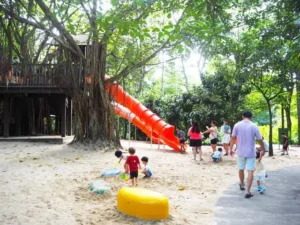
point(249, 51)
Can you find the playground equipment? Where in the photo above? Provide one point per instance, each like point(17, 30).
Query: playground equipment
point(142, 203)
point(147, 121)
point(126, 114)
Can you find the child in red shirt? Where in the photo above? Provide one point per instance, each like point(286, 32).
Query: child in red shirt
point(134, 164)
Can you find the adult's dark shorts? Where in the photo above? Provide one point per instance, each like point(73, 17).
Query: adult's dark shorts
point(285, 147)
point(214, 141)
point(182, 141)
point(134, 174)
point(195, 143)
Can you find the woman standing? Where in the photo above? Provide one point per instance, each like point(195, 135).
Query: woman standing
point(213, 135)
point(195, 140)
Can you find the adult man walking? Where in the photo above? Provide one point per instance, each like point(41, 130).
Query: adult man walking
point(246, 132)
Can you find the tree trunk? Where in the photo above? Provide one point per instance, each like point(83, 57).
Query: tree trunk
point(270, 128)
point(289, 121)
point(94, 119)
point(282, 116)
point(290, 89)
point(184, 74)
point(298, 103)
point(125, 129)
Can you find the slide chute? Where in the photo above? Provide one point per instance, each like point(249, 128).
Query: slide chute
point(142, 117)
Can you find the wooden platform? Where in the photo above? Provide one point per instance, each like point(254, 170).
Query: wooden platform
point(20, 89)
point(46, 139)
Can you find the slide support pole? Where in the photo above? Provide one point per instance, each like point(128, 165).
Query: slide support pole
point(151, 138)
point(129, 132)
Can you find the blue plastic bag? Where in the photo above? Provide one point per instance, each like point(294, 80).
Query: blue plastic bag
point(111, 172)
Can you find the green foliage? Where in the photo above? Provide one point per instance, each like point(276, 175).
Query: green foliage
point(198, 105)
point(252, 46)
point(294, 136)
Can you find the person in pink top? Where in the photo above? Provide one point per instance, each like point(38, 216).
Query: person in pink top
point(195, 140)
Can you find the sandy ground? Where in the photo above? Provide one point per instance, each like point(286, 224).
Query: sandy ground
point(47, 184)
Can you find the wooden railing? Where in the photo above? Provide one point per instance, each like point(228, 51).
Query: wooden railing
point(33, 75)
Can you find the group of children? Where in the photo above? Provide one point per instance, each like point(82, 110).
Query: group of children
point(132, 165)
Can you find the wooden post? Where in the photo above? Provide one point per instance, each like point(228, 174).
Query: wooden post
point(56, 125)
point(69, 117)
point(48, 117)
point(63, 116)
point(6, 116)
point(31, 116)
point(18, 118)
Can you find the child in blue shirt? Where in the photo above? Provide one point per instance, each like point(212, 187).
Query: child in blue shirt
point(217, 155)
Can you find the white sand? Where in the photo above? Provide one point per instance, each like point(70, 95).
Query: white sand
point(47, 184)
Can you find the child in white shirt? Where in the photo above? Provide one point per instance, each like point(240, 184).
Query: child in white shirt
point(260, 174)
point(119, 154)
point(146, 170)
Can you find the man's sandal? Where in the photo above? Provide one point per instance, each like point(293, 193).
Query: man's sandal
point(248, 195)
point(242, 188)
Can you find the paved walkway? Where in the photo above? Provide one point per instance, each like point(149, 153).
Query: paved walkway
point(280, 204)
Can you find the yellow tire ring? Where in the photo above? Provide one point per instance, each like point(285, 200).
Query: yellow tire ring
point(142, 203)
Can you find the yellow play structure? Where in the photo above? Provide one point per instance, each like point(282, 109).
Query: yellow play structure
point(142, 203)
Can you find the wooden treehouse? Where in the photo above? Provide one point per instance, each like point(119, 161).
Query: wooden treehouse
point(33, 101)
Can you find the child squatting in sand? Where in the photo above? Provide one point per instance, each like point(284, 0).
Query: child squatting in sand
point(133, 164)
point(146, 170)
point(217, 155)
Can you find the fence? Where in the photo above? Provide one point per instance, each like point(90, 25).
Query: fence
point(32, 75)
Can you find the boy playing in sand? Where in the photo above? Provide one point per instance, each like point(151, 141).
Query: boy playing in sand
point(119, 154)
point(260, 173)
point(134, 164)
point(146, 170)
point(217, 155)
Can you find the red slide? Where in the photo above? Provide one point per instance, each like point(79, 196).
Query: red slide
point(149, 119)
point(126, 114)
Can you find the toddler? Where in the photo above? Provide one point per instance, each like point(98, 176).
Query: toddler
point(181, 138)
point(146, 170)
point(260, 174)
point(217, 155)
point(133, 164)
